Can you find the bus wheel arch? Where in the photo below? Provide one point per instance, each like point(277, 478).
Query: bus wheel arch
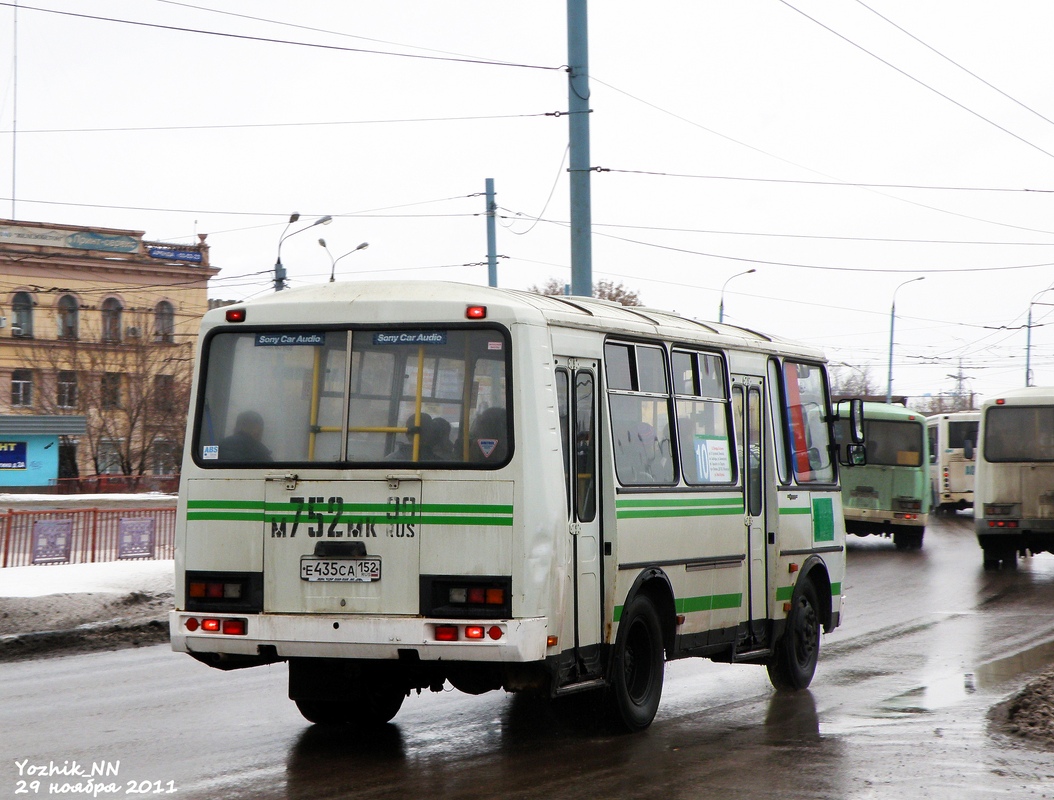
point(797, 652)
point(645, 636)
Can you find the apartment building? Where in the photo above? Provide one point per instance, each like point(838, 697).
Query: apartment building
point(100, 323)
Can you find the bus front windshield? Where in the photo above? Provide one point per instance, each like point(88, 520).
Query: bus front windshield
point(895, 444)
point(435, 396)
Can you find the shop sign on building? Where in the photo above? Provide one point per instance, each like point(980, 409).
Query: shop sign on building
point(12, 455)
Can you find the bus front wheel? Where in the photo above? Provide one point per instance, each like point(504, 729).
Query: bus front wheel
point(637, 667)
point(794, 661)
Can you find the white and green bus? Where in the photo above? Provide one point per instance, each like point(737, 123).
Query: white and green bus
point(1014, 487)
point(890, 496)
point(953, 459)
point(402, 486)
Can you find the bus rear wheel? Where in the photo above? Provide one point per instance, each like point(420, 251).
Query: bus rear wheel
point(794, 661)
point(375, 707)
point(637, 666)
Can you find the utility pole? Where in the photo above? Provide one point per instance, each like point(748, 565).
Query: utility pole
point(578, 143)
point(492, 252)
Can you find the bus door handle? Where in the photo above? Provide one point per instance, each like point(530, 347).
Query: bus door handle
point(290, 479)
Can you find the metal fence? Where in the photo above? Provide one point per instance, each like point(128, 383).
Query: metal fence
point(85, 535)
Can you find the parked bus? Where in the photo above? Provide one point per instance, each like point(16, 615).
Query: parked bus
point(1014, 490)
point(953, 446)
point(397, 486)
point(890, 496)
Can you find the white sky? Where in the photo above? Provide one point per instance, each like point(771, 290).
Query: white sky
point(712, 116)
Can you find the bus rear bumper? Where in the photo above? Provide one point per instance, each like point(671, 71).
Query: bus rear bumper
point(334, 636)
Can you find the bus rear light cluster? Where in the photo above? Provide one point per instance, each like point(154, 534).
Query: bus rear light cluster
point(1000, 509)
point(905, 516)
point(215, 590)
point(225, 625)
point(905, 504)
point(454, 633)
point(478, 595)
point(1002, 523)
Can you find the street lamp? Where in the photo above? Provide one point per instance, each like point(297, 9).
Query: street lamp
point(892, 317)
point(279, 270)
point(1028, 335)
point(333, 271)
point(721, 307)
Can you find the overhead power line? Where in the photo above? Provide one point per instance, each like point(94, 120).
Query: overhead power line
point(920, 82)
point(289, 42)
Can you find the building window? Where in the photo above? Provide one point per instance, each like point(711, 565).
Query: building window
point(111, 390)
point(164, 460)
point(22, 388)
point(67, 389)
point(111, 320)
point(68, 311)
point(164, 322)
point(22, 306)
point(109, 459)
point(164, 386)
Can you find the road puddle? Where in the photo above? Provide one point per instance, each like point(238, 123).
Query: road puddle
point(948, 690)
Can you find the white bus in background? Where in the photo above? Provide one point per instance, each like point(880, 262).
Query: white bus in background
point(953, 458)
point(397, 486)
point(1014, 487)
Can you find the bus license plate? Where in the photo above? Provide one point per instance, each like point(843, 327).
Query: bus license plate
point(354, 570)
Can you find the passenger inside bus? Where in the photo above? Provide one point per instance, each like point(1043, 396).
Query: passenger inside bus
point(245, 443)
point(429, 444)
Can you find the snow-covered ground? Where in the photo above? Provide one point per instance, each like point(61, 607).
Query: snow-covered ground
point(107, 577)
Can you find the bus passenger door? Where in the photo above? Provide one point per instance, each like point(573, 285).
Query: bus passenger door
point(748, 410)
point(577, 394)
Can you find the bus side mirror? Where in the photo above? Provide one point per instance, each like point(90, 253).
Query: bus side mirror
point(855, 455)
point(856, 420)
point(968, 450)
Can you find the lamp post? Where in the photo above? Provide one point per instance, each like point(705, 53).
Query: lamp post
point(721, 307)
point(279, 270)
point(1028, 334)
point(333, 271)
point(892, 318)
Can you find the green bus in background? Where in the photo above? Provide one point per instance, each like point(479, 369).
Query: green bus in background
point(890, 495)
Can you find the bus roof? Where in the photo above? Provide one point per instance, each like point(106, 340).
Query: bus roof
point(889, 411)
point(445, 302)
point(1031, 395)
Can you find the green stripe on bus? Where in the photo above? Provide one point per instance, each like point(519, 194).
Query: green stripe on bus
point(662, 508)
point(686, 605)
point(794, 510)
point(698, 501)
point(377, 513)
point(786, 592)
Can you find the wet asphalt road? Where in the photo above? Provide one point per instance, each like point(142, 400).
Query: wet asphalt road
point(898, 709)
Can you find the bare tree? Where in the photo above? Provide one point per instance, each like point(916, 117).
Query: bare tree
point(850, 381)
point(132, 386)
point(604, 290)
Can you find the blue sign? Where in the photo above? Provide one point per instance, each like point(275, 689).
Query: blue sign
point(172, 254)
point(410, 337)
point(12, 455)
point(290, 339)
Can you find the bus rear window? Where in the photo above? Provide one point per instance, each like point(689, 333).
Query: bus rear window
point(1019, 433)
point(435, 396)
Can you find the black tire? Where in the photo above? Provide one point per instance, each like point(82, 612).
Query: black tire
point(637, 666)
point(374, 708)
point(794, 661)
